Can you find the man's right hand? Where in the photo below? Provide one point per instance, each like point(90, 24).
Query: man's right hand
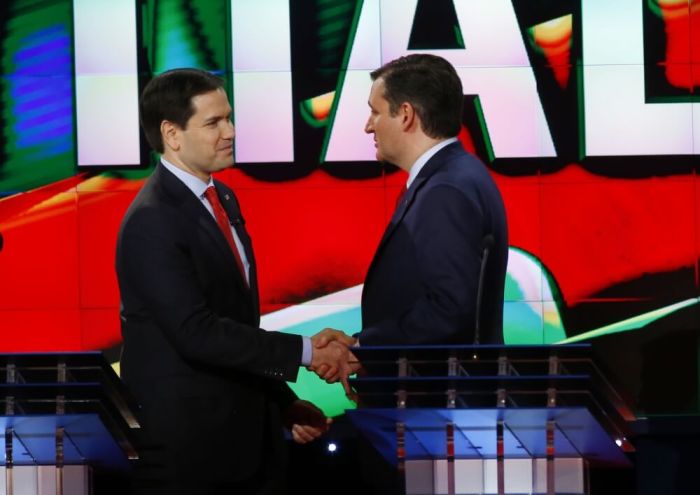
point(334, 362)
point(327, 335)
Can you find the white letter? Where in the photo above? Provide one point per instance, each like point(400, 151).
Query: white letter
point(106, 82)
point(493, 66)
point(262, 81)
point(618, 121)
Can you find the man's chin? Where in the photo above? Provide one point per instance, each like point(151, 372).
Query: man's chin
point(223, 165)
point(383, 161)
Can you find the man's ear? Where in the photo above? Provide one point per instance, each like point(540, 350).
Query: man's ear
point(408, 116)
point(171, 135)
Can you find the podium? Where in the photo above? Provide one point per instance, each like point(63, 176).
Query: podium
point(490, 419)
point(62, 415)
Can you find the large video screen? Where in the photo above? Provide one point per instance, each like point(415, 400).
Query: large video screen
point(586, 112)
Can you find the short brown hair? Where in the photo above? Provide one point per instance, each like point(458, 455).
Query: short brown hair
point(429, 83)
point(168, 96)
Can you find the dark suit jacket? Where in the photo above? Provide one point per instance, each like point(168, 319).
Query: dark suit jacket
point(209, 380)
point(422, 283)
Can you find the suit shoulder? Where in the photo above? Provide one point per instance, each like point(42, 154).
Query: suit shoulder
point(149, 206)
point(466, 174)
point(462, 163)
point(461, 170)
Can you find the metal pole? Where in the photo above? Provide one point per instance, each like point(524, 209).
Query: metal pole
point(554, 369)
point(551, 474)
point(59, 460)
point(9, 431)
point(500, 459)
point(401, 426)
point(9, 480)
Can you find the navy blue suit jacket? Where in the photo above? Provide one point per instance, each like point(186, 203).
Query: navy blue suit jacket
point(422, 283)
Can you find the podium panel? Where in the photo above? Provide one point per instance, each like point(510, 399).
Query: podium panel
point(62, 415)
point(490, 419)
point(86, 440)
point(577, 434)
point(41, 480)
point(477, 477)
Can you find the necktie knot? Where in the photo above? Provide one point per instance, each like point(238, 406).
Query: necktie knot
point(210, 194)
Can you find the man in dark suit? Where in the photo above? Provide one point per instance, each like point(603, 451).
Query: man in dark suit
point(422, 285)
point(209, 381)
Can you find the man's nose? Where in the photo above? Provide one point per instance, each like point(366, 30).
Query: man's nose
point(229, 131)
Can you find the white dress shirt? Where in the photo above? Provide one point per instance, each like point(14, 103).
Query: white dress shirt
point(423, 159)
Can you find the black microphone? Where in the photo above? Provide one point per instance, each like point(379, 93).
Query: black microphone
point(486, 244)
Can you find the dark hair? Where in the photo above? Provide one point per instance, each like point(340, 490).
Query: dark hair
point(168, 96)
point(431, 85)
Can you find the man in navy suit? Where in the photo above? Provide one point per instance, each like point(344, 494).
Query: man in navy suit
point(448, 227)
point(421, 287)
point(210, 382)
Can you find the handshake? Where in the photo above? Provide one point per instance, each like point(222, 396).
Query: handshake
point(332, 359)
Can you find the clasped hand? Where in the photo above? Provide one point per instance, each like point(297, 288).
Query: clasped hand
point(332, 359)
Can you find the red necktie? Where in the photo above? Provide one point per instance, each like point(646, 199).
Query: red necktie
point(225, 227)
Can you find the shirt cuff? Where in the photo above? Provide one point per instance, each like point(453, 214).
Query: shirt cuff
point(307, 351)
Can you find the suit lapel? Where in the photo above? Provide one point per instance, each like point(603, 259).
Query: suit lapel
point(432, 166)
point(400, 211)
point(396, 219)
point(193, 209)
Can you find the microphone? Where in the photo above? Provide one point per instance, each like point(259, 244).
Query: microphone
point(486, 244)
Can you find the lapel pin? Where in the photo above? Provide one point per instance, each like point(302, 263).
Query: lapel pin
point(226, 196)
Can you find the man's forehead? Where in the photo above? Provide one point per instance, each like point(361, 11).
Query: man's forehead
point(211, 102)
point(377, 93)
point(214, 94)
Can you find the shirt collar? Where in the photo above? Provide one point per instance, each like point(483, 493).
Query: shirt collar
point(194, 184)
point(423, 159)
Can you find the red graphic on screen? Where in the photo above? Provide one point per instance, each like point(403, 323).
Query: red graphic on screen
point(553, 40)
point(317, 235)
point(682, 24)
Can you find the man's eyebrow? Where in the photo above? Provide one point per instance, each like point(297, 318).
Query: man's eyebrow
point(214, 118)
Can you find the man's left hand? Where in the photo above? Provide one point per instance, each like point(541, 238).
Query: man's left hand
point(306, 421)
